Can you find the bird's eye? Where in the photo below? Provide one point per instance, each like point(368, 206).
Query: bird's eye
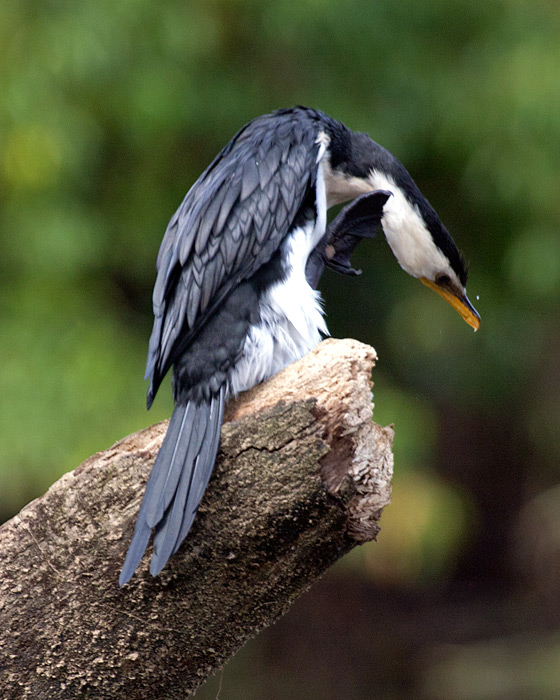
point(443, 280)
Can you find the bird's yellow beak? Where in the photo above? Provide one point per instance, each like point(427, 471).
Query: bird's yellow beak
point(459, 302)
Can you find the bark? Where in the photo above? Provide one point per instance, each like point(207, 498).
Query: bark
point(302, 476)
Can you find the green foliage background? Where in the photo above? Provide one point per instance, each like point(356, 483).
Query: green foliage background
point(110, 110)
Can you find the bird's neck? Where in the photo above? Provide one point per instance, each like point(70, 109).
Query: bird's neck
point(341, 187)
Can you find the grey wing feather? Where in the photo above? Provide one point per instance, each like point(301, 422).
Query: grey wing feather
point(229, 224)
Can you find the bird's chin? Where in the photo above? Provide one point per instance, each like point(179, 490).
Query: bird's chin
point(459, 302)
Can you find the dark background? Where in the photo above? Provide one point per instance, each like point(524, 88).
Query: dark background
point(110, 110)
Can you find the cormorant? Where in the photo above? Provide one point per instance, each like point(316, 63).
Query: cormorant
point(235, 297)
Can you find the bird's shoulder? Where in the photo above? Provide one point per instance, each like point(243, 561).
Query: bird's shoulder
point(229, 224)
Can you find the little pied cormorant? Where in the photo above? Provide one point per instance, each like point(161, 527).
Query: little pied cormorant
point(235, 299)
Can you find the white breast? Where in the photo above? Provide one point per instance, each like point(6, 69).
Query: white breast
point(291, 318)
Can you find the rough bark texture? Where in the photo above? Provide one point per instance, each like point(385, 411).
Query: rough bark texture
point(302, 476)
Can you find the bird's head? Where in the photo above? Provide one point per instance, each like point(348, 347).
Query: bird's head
point(422, 245)
point(418, 239)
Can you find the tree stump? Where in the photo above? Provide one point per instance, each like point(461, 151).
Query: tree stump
point(301, 477)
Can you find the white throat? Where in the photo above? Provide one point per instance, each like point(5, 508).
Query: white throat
point(406, 232)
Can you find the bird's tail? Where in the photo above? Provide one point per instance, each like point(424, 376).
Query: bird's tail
point(177, 482)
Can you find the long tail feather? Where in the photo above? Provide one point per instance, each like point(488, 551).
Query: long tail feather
point(177, 482)
point(191, 487)
point(207, 456)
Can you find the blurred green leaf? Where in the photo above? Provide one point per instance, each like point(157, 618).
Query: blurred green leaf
point(109, 111)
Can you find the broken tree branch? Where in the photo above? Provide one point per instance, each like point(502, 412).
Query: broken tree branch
point(302, 476)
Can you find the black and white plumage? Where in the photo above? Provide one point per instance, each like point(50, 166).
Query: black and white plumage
point(235, 298)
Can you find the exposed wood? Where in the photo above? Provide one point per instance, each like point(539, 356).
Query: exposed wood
point(302, 476)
